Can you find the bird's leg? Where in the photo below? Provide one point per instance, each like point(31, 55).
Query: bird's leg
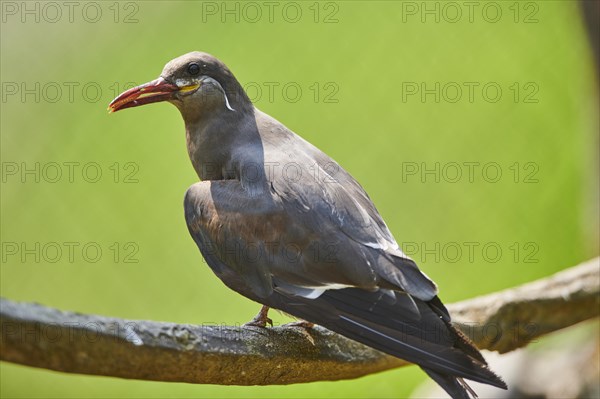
point(261, 319)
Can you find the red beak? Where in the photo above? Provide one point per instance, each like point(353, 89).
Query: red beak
point(151, 92)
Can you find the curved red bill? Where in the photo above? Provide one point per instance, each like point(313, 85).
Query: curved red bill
point(151, 92)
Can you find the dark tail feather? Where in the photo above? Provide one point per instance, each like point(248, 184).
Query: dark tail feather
point(457, 388)
point(462, 341)
point(428, 340)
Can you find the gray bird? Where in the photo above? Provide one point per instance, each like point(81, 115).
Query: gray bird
point(283, 224)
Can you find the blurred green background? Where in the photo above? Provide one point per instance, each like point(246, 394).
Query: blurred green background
point(355, 63)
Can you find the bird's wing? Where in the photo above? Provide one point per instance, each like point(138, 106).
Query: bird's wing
point(257, 240)
point(309, 224)
point(326, 200)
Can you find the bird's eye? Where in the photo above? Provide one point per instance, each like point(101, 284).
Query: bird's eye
point(193, 69)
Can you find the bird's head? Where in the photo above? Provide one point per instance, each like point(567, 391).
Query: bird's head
point(196, 83)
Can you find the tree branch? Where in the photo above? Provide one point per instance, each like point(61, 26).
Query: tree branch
point(43, 337)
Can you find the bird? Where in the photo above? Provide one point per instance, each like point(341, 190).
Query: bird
point(283, 224)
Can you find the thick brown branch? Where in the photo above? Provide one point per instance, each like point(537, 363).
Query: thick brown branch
point(38, 336)
point(510, 319)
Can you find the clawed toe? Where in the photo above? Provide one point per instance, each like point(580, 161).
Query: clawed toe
point(307, 325)
point(261, 320)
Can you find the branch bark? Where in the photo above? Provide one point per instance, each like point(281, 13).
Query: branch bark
point(39, 336)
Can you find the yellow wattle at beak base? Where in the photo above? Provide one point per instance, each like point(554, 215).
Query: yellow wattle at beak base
point(191, 87)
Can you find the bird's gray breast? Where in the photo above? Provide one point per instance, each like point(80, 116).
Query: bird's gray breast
point(234, 231)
